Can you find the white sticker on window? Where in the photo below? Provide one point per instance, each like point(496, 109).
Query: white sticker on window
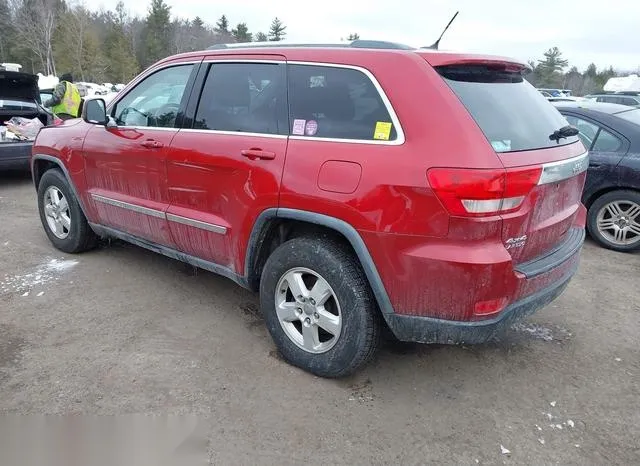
point(298, 127)
point(503, 145)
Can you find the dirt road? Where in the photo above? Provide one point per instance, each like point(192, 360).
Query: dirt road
point(122, 330)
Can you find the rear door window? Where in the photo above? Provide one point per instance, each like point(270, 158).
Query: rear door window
point(588, 131)
point(337, 103)
point(244, 98)
point(511, 113)
point(594, 137)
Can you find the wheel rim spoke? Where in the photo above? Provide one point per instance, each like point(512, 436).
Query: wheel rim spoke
point(614, 209)
point(58, 228)
point(310, 337)
point(620, 235)
point(606, 223)
point(296, 285)
point(635, 228)
point(329, 322)
point(287, 312)
point(63, 205)
point(65, 221)
point(633, 212)
point(320, 292)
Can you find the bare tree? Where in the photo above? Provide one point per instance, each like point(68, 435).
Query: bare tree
point(76, 24)
point(36, 24)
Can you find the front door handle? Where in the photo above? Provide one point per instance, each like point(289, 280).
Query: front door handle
point(151, 144)
point(254, 154)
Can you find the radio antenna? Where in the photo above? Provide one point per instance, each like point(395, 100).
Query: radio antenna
point(437, 43)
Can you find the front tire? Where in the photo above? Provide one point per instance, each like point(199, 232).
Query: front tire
point(61, 215)
point(614, 220)
point(318, 307)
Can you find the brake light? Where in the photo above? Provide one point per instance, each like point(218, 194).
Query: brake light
point(481, 193)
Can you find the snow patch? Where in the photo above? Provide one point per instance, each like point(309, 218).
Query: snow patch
point(504, 451)
point(540, 332)
point(42, 274)
point(535, 330)
point(553, 404)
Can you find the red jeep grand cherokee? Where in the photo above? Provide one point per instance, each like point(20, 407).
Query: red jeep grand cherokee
point(354, 186)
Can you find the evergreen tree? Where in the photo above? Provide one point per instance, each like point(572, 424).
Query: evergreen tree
point(222, 26)
point(277, 30)
point(241, 33)
point(351, 37)
point(261, 37)
point(157, 35)
point(549, 69)
point(591, 71)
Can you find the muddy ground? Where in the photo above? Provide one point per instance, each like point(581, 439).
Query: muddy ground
point(122, 330)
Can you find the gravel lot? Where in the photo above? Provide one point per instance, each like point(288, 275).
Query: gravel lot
point(122, 330)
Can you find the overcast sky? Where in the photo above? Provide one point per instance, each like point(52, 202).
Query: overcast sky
point(585, 31)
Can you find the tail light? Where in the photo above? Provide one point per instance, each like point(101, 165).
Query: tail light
point(468, 192)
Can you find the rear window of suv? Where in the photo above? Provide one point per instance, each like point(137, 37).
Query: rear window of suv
point(511, 113)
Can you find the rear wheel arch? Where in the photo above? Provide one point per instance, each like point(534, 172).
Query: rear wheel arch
point(601, 192)
point(276, 226)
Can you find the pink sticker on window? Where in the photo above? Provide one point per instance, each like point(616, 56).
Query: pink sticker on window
point(298, 127)
point(311, 128)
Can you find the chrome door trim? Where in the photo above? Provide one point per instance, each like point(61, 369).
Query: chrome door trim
point(128, 206)
point(197, 224)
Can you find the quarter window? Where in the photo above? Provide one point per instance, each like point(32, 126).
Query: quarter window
point(243, 97)
point(340, 103)
point(606, 142)
point(155, 101)
point(594, 137)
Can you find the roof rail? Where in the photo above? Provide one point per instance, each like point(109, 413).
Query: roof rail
point(359, 44)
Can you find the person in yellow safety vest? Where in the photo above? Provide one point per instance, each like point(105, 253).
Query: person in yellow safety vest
point(65, 102)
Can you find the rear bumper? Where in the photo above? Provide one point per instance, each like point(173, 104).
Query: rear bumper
point(554, 270)
point(430, 330)
point(15, 155)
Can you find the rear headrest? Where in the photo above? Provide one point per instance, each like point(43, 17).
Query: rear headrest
point(237, 92)
point(333, 101)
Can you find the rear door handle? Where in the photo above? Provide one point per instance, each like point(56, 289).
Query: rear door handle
point(151, 144)
point(253, 154)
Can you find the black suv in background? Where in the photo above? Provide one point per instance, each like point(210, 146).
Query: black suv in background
point(19, 97)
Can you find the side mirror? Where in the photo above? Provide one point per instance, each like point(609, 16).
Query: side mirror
point(95, 112)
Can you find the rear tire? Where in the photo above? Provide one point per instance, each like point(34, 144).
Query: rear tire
point(332, 327)
point(61, 215)
point(611, 211)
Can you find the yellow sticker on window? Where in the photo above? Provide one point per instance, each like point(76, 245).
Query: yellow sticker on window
point(383, 131)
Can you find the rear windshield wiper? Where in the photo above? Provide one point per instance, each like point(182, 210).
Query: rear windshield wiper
point(564, 132)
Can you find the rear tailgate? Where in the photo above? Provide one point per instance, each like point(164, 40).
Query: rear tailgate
point(521, 126)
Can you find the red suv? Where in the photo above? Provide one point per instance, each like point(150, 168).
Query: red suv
point(353, 186)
